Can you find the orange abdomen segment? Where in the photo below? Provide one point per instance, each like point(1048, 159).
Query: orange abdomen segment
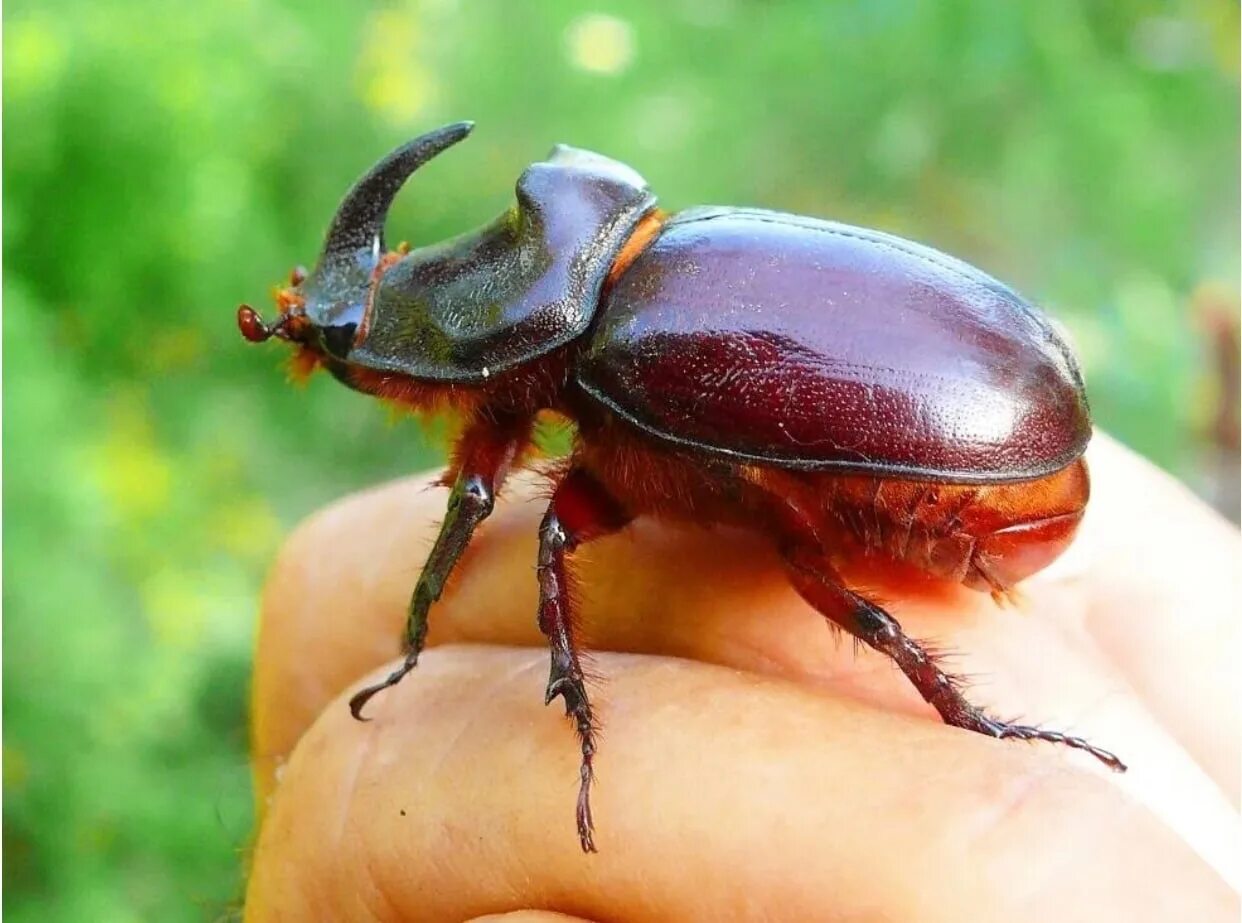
point(1039, 520)
point(988, 537)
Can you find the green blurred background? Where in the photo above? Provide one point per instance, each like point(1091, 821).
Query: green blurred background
point(165, 160)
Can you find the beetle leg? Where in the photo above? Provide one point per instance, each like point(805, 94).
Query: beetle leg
point(821, 586)
point(485, 455)
point(581, 510)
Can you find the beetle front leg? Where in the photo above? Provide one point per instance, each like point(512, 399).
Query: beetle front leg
point(819, 585)
point(485, 454)
point(581, 510)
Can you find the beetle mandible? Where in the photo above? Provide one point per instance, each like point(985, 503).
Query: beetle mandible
point(722, 366)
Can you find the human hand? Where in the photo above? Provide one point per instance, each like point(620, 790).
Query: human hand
point(751, 766)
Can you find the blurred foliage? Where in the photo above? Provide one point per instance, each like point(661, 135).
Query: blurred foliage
point(164, 161)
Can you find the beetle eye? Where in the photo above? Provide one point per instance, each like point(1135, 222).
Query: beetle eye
point(338, 340)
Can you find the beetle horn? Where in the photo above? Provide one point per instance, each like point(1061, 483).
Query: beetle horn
point(359, 221)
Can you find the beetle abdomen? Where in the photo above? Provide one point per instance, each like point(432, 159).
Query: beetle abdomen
point(808, 344)
point(987, 536)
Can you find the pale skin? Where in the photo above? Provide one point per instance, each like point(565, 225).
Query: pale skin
point(750, 767)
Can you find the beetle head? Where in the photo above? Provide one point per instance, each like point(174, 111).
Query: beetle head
point(323, 310)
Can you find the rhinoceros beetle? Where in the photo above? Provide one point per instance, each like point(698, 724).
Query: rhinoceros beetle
point(836, 389)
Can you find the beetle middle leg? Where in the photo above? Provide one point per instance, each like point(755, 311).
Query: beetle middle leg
point(581, 510)
point(484, 455)
point(821, 586)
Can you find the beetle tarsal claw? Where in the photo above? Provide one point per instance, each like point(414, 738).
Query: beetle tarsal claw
point(586, 823)
point(1012, 730)
point(559, 685)
point(360, 698)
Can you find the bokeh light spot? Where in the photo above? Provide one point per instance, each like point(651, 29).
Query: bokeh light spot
point(667, 121)
point(600, 44)
point(248, 529)
point(392, 81)
point(129, 467)
point(175, 608)
point(16, 768)
point(34, 55)
point(1166, 43)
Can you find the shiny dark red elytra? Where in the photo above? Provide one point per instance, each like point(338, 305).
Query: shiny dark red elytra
point(839, 391)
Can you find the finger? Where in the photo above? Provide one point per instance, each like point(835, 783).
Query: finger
point(718, 596)
point(713, 597)
point(722, 795)
point(528, 916)
point(1166, 600)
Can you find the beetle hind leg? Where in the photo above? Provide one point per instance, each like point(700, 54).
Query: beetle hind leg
point(816, 581)
point(581, 510)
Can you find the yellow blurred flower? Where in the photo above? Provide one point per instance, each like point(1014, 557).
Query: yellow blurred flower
point(172, 348)
point(34, 54)
point(16, 768)
point(247, 529)
point(174, 607)
point(600, 44)
point(128, 466)
point(391, 80)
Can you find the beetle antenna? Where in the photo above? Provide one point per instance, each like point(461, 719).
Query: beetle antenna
point(359, 220)
point(252, 326)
